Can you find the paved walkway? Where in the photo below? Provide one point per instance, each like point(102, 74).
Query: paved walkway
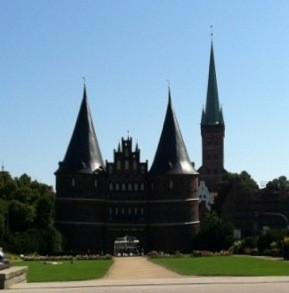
point(129, 268)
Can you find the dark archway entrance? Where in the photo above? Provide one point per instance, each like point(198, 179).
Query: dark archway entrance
point(126, 246)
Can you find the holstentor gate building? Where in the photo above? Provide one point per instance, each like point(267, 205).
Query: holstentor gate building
point(98, 201)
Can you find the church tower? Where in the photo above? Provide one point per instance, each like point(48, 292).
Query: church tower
point(213, 133)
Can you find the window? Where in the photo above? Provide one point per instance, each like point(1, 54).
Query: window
point(110, 186)
point(116, 186)
point(123, 187)
point(171, 184)
point(129, 187)
point(126, 164)
point(142, 186)
point(72, 182)
point(95, 183)
point(118, 165)
point(135, 187)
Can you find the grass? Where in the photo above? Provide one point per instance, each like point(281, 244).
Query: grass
point(65, 270)
point(225, 266)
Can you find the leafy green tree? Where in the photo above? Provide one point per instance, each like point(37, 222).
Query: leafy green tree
point(27, 215)
point(44, 212)
point(21, 216)
point(280, 183)
point(269, 239)
point(214, 234)
point(232, 186)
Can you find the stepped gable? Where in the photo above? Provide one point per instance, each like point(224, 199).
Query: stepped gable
point(83, 153)
point(171, 155)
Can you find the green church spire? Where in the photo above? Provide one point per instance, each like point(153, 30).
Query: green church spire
point(212, 114)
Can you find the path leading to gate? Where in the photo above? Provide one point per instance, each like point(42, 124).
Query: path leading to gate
point(128, 268)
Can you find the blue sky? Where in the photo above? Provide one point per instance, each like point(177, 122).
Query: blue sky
point(127, 49)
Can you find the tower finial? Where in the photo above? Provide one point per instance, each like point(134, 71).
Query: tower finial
point(169, 87)
point(212, 32)
point(2, 166)
point(169, 83)
point(84, 80)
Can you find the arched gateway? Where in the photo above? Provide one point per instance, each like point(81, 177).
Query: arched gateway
point(126, 246)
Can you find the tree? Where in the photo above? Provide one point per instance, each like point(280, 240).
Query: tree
point(21, 216)
point(280, 183)
point(214, 234)
point(269, 239)
point(44, 212)
point(233, 185)
point(27, 215)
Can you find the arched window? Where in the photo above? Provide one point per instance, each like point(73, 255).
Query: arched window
point(126, 164)
point(134, 165)
point(95, 183)
point(117, 186)
point(72, 182)
point(129, 187)
point(135, 187)
point(110, 186)
point(142, 186)
point(118, 165)
point(171, 184)
point(123, 187)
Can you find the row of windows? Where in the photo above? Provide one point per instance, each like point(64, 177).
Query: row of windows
point(126, 186)
point(129, 186)
point(126, 211)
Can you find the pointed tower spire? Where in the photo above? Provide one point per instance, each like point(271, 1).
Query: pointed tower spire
point(212, 114)
point(171, 155)
point(83, 153)
point(213, 132)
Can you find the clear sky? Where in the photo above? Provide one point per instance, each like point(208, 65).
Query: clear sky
point(127, 49)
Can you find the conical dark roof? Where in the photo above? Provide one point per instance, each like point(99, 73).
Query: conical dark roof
point(83, 154)
point(171, 156)
point(213, 114)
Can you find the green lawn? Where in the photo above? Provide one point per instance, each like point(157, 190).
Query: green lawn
point(65, 270)
point(225, 266)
